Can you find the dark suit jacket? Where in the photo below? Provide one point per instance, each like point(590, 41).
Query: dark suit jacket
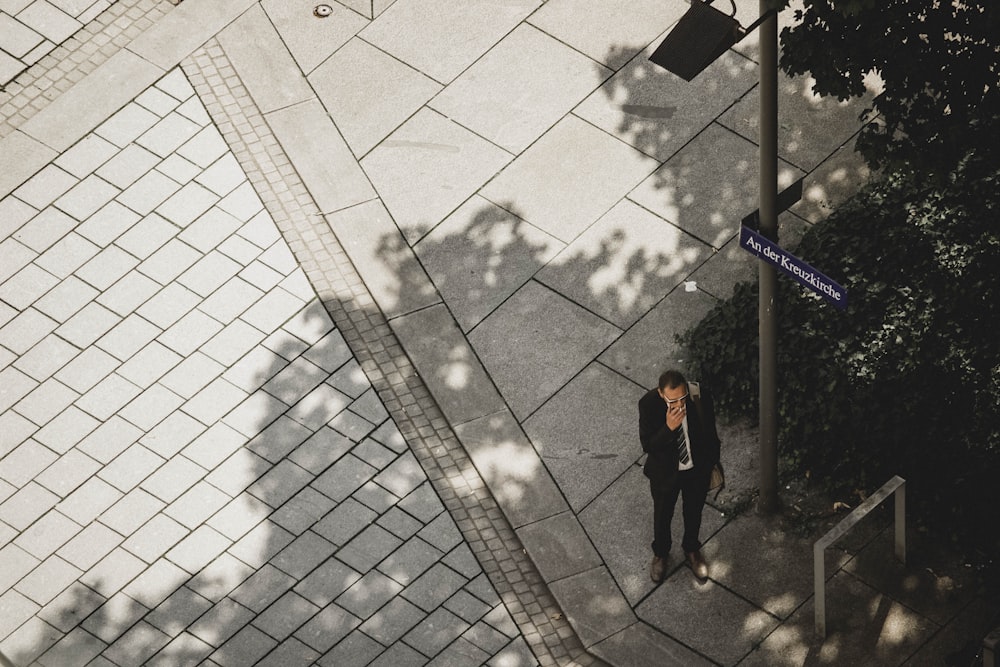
point(660, 443)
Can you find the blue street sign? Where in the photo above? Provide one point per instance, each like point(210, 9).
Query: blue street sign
point(801, 272)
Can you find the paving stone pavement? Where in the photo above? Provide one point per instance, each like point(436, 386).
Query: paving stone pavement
point(320, 340)
point(51, 68)
point(187, 435)
point(210, 453)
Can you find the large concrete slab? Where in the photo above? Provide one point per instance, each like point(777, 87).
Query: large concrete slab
point(766, 564)
point(322, 159)
point(569, 178)
point(391, 272)
point(658, 112)
point(310, 40)
point(864, 627)
point(369, 93)
point(620, 524)
point(23, 156)
point(559, 547)
point(811, 127)
point(442, 38)
point(593, 604)
point(649, 347)
point(832, 183)
point(177, 34)
point(95, 97)
point(511, 468)
point(264, 65)
point(427, 168)
point(480, 255)
point(640, 645)
point(602, 30)
point(447, 364)
point(586, 433)
point(520, 88)
point(708, 186)
point(964, 631)
point(368, 8)
point(535, 342)
point(710, 619)
point(624, 263)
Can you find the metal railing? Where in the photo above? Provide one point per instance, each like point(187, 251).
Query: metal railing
point(991, 645)
point(895, 486)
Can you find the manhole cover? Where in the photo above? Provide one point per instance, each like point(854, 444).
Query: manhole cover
point(322, 11)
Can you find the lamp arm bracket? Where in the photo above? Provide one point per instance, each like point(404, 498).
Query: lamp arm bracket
point(732, 2)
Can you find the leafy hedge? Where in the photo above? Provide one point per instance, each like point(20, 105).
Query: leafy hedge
point(905, 381)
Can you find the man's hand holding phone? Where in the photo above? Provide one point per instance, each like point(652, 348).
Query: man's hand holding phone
point(675, 415)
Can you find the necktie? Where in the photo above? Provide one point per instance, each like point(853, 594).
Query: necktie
point(683, 456)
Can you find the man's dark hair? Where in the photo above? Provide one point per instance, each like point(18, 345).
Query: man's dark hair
point(671, 379)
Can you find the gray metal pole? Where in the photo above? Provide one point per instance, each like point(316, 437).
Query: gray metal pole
point(768, 502)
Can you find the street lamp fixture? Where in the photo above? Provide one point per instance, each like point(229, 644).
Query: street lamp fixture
point(700, 37)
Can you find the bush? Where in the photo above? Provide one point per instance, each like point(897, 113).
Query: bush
point(906, 380)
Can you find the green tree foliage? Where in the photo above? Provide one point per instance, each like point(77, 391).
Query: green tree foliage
point(906, 380)
point(938, 60)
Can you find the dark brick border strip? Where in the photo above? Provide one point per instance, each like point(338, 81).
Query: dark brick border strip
point(366, 330)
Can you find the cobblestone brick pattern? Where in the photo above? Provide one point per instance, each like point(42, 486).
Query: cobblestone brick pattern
point(341, 290)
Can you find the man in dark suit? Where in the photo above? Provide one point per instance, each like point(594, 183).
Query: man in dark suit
point(679, 437)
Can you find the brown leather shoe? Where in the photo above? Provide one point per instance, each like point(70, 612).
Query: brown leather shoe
point(698, 565)
point(657, 569)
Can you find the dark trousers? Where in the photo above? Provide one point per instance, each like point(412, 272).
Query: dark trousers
point(692, 487)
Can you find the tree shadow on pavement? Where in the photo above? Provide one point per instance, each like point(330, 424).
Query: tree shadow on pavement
point(315, 490)
point(310, 514)
point(675, 230)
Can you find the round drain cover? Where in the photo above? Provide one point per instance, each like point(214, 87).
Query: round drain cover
point(322, 11)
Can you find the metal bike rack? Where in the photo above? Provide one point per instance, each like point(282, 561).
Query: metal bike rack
point(895, 486)
point(991, 645)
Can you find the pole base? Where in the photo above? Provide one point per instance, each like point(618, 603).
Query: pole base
point(768, 506)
